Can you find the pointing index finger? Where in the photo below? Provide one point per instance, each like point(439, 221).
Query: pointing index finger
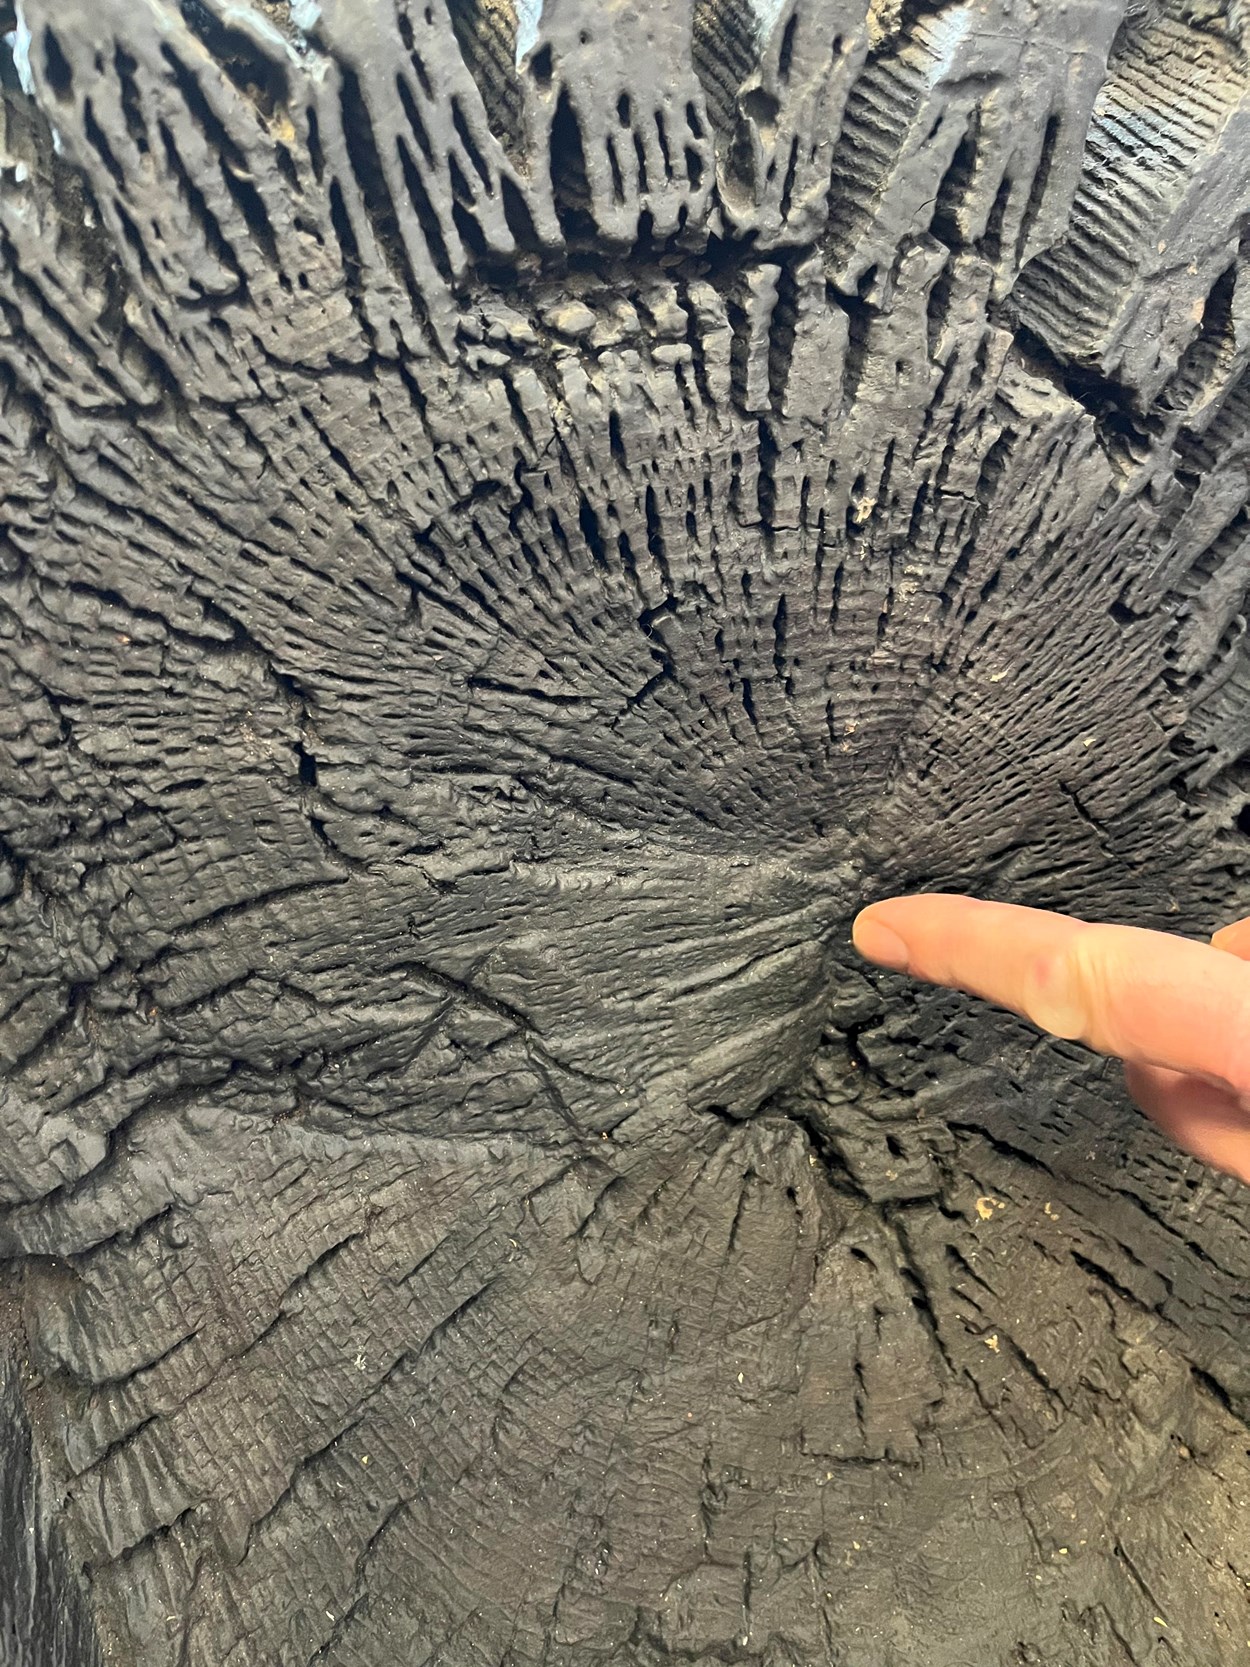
point(1149, 997)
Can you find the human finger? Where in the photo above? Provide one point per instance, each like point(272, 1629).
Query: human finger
point(1234, 939)
point(1207, 1120)
point(1149, 997)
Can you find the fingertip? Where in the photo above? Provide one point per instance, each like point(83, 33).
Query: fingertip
point(878, 942)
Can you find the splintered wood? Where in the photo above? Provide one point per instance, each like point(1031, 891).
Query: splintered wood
point(516, 523)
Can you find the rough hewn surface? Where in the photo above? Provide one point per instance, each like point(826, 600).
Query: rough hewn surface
point(513, 529)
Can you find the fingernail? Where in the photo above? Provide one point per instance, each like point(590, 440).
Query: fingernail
point(878, 942)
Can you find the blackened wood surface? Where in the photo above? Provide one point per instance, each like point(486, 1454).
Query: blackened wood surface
point(514, 527)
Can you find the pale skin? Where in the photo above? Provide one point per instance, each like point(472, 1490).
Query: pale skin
point(1177, 1012)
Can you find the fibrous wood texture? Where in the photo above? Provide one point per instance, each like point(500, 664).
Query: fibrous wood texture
point(517, 523)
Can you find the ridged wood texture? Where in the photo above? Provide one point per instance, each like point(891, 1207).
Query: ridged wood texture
point(514, 527)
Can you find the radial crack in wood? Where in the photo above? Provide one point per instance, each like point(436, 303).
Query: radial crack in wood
point(517, 521)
